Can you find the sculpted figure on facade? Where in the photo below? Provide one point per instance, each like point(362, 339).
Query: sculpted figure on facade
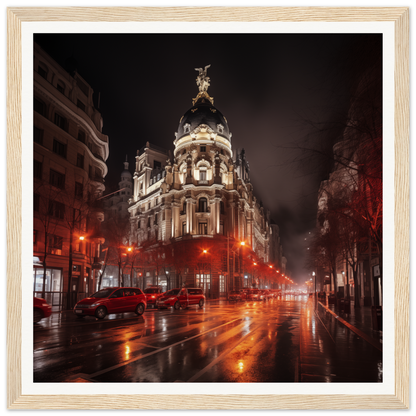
point(202, 80)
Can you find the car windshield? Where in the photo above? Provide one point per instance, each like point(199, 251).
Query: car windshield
point(104, 293)
point(151, 290)
point(172, 292)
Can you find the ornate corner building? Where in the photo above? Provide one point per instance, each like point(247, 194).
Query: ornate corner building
point(200, 190)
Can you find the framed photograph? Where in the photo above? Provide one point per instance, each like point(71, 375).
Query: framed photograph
point(203, 280)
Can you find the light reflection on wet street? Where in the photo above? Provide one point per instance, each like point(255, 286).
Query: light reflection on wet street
point(281, 340)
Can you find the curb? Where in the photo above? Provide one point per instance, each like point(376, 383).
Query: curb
point(360, 333)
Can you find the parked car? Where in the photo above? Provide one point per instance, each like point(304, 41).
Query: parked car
point(181, 298)
point(268, 294)
point(235, 295)
point(263, 295)
point(112, 300)
point(152, 294)
point(253, 294)
point(41, 309)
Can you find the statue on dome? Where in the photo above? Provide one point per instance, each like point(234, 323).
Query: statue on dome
point(202, 80)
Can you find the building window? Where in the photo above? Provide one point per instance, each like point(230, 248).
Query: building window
point(80, 160)
point(203, 205)
point(38, 135)
point(222, 283)
point(36, 202)
point(156, 165)
point(59, 148)
point(220, 128)
point(186, 128)
point(39, 106)
point(79, 190)
point(60, 86)
point(148, 222)
point(37, 169)
point(203, 228)
point(222, 207)
point(222, 227)
point(81, 136)
point(56, 209)
point(42, 70)
point(203, 148)
point(183, 228)
point(55, 244)
point(203, 175)
point(98, 174)
point(57, 179)
point(81, 105)
point(60, 121)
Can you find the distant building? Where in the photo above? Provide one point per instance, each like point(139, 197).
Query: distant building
point(201, 191)
point(70, 153)
point(117, 204)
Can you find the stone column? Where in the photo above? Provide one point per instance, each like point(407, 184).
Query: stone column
point(217, 215)
point(232, 224)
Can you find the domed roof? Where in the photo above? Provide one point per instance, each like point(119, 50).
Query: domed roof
point(203, 112)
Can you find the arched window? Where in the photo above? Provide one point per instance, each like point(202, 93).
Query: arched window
point(222, 207)
point(203, 205)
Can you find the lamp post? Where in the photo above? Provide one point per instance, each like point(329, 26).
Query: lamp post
point(316, 300)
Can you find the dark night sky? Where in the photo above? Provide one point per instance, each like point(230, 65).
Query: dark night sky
point(269, 87)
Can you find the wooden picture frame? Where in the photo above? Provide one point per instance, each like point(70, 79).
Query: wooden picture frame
point(399, 17)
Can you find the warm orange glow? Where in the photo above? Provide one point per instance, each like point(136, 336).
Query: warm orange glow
point(243, 243)
point(255, 264)
point(129, 249)
point(82, 238)
point(204, 251)
point(271, 267)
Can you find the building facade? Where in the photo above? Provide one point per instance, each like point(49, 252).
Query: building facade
point(199, 191)
point(70, 153)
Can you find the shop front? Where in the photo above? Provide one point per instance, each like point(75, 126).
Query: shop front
point(53, 286)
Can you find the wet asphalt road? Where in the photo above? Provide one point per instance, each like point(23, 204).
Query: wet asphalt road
point(281, 340)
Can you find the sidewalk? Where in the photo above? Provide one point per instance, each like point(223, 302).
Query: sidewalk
point(359, 321)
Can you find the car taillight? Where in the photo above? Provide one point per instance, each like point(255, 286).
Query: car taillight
point(153, 297)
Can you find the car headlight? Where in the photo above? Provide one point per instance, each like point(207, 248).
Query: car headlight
point(45, 304)
point(94, 304)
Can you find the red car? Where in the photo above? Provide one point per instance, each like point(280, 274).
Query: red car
point(41, 309)
point(235, 295)
point(152, 294)
point(253, 294)
point(181, 298)
point(112, 300)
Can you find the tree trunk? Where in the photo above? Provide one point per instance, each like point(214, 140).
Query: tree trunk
point(71, 237)
point(356, 289)
point(44, 265)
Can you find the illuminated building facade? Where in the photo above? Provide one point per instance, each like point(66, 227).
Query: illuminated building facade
point(200, 191)
point(70, 153)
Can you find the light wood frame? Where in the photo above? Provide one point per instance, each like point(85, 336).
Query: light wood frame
point(400, 17)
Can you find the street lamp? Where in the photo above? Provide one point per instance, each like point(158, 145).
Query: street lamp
point(316, 300)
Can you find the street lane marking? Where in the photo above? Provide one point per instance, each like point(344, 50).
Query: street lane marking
point(360, 333)
point(114, 367)
point(221, 357)
point(324, 326)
